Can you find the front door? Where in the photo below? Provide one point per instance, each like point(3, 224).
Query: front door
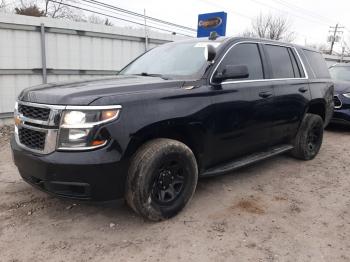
point(244, 107)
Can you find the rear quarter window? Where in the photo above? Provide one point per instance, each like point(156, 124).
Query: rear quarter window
point(317, 64)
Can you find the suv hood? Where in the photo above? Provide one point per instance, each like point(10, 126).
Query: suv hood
point(341, 87)
point(85, 92)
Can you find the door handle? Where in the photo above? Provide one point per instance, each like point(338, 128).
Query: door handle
point(303, 89)
point(265, 94)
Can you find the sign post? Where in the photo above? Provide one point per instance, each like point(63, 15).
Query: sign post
point(212, 22)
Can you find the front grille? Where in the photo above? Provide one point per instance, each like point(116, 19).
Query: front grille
point(337, 102)
point(36, 113)
point(31, 138)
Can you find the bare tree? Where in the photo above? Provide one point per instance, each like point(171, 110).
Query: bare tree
point(108, 22)
point(55, 8)
point(2, 4)
point(94, 19)
point(32, 10)
point(60, 9)
point(271, 27)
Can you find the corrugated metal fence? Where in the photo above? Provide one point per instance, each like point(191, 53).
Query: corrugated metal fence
point(36, 50)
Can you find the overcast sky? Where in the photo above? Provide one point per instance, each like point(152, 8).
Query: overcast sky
point(310, 19)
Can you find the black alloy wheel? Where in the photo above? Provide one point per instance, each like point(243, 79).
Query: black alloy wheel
point(169, 183)
point(162, 179)
point(308, 140)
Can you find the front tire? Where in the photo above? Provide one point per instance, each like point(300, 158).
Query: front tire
point(308, 140)
point(162, 179)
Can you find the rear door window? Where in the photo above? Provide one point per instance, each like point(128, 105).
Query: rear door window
point(317, 64)
point(245, 54)
point(297, 72)
point(281, 62)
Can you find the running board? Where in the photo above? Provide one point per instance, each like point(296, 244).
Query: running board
point(244, 161)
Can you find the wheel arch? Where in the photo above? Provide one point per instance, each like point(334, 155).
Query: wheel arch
point(317, 107)
point(191, 134)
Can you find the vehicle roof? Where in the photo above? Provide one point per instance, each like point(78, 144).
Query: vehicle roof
point(225, 39)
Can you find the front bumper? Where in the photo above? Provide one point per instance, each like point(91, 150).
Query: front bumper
point(97, 175)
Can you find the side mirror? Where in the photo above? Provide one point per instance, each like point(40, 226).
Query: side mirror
point(211, 53)
point(232, 72)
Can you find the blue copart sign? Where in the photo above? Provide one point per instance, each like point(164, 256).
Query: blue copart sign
point(212, 22)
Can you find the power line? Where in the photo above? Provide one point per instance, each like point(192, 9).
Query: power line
point(296, 7)
point(230, 11)
point(139, 15)
point(105, 9)
point(271, 7)
point(118, 18)
point(323, 19)
point(284, 11)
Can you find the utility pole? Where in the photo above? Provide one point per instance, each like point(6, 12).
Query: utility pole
point(334, 30)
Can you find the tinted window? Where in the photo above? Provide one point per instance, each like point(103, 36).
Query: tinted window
point(296, 68)
point(281, 63)
point(245, 54)
point(317, 63)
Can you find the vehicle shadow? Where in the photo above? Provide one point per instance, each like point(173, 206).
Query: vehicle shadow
point(338, 128)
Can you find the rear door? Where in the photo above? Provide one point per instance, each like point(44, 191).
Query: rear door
point(244, 107)
point(291, 89)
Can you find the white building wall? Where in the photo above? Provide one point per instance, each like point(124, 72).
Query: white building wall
point(73, 51)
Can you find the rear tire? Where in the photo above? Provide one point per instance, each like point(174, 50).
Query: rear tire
point(308, 140)
point(162, 179)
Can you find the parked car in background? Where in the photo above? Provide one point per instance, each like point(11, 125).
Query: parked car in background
point(341, 75)
point(188, 109)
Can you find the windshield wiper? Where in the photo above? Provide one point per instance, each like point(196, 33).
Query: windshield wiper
point(153, 75)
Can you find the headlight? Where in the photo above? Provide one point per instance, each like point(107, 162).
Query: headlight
point(347, 95)
point(79, 127)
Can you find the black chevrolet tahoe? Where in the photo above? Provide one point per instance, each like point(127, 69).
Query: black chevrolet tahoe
point(183, 110)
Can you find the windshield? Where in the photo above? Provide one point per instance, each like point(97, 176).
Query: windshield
point(340, 73)
point(171, 61)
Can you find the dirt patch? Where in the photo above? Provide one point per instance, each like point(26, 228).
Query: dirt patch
point(281, 209)
point(5, 134)
point(250, 205)
point(280, 198)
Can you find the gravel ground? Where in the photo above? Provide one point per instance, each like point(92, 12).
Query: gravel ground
point(281, 209)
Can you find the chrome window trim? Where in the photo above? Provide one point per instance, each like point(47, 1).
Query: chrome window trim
point(260, 80)
point(52, 129)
